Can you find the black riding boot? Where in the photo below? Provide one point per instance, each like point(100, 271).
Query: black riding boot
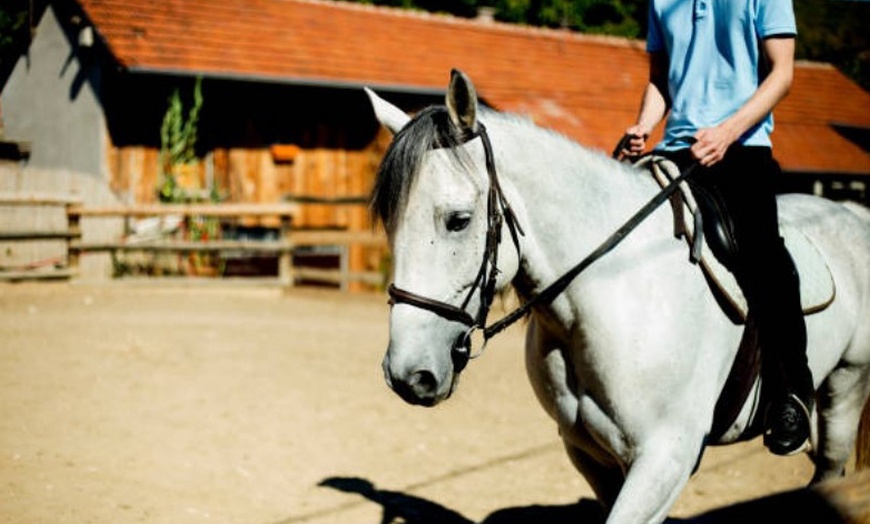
point(787, 380)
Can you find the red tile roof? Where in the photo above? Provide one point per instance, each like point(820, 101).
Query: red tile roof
point(587, 87)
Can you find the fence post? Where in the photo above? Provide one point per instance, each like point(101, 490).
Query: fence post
point(285, 261)
point(73, 220)
point(344, 268)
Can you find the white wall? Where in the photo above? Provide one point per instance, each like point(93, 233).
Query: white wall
point(52, 101)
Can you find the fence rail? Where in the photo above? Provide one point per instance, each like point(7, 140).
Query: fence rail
point(289, 241)
point(21, 236)
point(36, 199)
point(213, 210)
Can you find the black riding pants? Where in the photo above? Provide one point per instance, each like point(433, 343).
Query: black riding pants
point(745, 184)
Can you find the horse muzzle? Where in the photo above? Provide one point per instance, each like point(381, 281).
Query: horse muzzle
point(419, 385)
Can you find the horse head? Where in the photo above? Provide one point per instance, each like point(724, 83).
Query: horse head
point(444, 214)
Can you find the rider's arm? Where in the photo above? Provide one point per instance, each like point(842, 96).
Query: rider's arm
point(712, 142)
point(654, 105)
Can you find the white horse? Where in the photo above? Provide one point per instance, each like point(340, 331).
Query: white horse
point(630, 358)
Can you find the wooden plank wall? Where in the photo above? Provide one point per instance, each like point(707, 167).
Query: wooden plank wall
point(253, 175)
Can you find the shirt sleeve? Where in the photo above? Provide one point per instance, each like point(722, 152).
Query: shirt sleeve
point(775, 17)
point(654, 40)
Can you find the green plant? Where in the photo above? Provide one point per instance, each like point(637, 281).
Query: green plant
point(178, 155)
point(178, 136)
point(204, 229)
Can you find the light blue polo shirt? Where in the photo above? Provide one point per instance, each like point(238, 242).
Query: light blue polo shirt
point(714, 50)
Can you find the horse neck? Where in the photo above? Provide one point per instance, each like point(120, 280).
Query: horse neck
point(569, 199)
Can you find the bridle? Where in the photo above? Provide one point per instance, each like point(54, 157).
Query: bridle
point(499, 212)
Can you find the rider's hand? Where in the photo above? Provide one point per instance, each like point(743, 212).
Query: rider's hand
point(711, 143)
point(637, 143)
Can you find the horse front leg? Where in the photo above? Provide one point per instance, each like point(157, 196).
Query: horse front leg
point(605, 479)
point(636, 477)
point(656, 477)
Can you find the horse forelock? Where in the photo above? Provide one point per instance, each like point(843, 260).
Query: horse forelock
point(430, 128)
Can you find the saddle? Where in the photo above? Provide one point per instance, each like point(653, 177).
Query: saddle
point(701, 220)
point(714, 249)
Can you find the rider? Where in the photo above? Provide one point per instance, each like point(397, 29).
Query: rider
point(717, 70)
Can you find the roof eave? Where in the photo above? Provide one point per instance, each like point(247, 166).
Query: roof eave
point(288, 80)
point(824, 173)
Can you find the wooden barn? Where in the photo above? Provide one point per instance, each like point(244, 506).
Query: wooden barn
point(280, 114)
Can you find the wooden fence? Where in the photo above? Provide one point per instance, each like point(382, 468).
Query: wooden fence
point(289, 242)
point(36, 235)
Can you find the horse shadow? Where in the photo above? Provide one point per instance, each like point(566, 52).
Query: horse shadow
point(799, 505)
point(409, 509)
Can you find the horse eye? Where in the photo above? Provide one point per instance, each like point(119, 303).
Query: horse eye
point(458, 221)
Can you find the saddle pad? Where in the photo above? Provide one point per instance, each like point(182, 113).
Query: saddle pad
point(816, 281)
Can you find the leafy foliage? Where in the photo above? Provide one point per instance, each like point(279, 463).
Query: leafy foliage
point(836, 32)
point(616, 17)
point(14, 33)
point(13, 23)
point(178, 136)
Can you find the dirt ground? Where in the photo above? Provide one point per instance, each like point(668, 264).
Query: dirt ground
point(129, 403)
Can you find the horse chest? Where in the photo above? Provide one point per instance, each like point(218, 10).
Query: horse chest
point(576, 407)
point(585, 425)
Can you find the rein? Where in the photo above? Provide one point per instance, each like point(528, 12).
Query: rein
point(499, 212)
point(553, 290)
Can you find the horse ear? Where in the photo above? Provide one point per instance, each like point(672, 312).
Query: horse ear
point(387, 114)
point(462, 101)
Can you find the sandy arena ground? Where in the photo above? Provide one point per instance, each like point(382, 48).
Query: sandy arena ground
point(126, 403)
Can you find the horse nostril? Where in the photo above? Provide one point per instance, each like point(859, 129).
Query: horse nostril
point(423, 383)
point(420, 388)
